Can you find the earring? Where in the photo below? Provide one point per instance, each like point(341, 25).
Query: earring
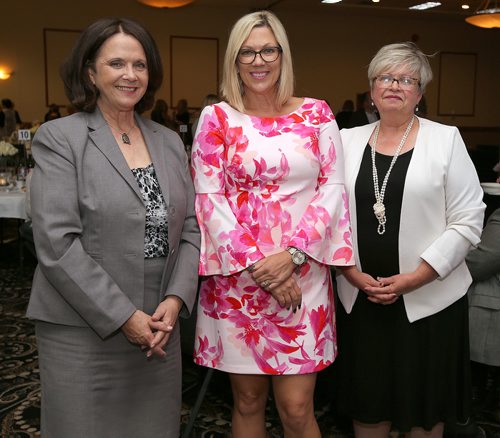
point(416, 109)
point(373, 103)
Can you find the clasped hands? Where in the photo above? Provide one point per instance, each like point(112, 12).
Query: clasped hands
point(380, 290)
point(274, 274)
point(152, 332)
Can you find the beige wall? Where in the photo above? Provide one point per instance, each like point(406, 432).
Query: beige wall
point(331, 50)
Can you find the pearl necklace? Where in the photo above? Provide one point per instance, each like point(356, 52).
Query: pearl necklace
point(379, 207)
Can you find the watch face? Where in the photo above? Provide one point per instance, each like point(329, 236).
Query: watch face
point(298, 257)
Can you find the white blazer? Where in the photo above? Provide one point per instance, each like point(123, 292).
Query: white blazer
point(441, 214)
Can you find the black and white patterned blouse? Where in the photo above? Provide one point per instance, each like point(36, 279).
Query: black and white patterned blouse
point(156, 234)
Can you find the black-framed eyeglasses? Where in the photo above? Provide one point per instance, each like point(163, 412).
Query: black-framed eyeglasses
point(404, 82)
point(267, 54)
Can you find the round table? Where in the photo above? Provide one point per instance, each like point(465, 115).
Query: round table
point(12, 204)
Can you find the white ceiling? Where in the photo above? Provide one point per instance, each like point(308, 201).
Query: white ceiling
point(448, 7)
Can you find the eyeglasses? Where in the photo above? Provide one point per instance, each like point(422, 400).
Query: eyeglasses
point(267, 54)
point(404, 82)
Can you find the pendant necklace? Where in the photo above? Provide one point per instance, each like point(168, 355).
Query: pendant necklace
point(379, 207)
point(124, 135)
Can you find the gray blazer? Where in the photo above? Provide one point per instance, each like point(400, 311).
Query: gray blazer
point(89, 223)
point(484, 265)
point(484, 294)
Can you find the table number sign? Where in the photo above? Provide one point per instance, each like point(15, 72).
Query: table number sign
point(23, 135)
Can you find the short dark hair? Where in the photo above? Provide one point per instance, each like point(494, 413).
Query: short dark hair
point(80, 90)
point(7, 103)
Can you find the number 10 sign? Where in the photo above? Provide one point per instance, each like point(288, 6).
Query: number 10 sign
point(23, 135)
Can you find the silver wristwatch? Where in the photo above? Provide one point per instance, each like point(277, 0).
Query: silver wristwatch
point(299, 257)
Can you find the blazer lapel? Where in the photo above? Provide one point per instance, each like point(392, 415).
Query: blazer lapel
point(158, 151)
point(101, 135)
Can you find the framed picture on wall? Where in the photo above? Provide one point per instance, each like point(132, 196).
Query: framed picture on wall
point(57, 44)
point(457, 84)
point(194, 69)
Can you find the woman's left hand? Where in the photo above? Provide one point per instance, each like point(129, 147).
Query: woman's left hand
point(163, 322)
point(389, 289)
point(273, 270)
point(392, 287)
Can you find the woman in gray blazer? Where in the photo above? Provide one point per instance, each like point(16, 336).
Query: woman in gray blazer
point(117, 243)
point(484, 306)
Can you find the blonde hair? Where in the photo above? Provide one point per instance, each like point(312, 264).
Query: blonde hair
point(397, 54)
point(231, 86)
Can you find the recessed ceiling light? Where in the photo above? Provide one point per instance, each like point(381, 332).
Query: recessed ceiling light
point(375, 1)
point(465, 6)
point(426, 5)
point(331, 1)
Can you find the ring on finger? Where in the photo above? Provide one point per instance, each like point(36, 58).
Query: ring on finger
point(265, 283)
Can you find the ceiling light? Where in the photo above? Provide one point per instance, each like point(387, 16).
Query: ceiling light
point(465, 6)
point(331, 1)
point(165, 3)
point(486, 16)
point(5, 74)
point(426, 5)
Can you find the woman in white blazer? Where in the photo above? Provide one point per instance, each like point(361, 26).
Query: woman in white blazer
point(416, 209)
point(118, 246)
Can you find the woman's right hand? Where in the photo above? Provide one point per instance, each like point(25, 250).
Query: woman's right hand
point(357, 278)
point(138, 331)
point(288, 294)
point(369, 285)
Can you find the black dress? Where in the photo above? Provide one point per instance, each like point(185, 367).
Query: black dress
point(411, 374)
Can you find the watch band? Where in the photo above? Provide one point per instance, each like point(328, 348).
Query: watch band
point(299, 257)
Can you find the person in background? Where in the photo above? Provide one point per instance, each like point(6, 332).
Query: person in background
point(271, 204)
point(53, 113)
point(160, 115)
point(117, 241)
point(416, 210)
point(11, 118)
point(496, 169)
point(344, 115)
point(484, 310)
point(2, 123)
point(365, 111)
point(182, 119)
point(209, 99)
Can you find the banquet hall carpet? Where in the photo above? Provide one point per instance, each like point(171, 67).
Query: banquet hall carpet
point(20, 389)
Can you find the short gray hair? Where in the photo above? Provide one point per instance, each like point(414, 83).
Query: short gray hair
point(398, 54)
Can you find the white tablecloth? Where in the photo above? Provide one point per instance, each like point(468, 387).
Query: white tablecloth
point(13, 204)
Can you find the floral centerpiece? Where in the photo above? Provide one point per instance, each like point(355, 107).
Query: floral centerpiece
point(7, 152)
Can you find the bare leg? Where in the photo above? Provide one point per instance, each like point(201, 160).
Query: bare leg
point(250, 397)
point(436, 432)
point(294, 397)
point(379, 430)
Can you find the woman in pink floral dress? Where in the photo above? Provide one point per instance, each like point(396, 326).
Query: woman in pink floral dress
point(272, 208)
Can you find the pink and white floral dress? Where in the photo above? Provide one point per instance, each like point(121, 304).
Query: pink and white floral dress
point(263, 184)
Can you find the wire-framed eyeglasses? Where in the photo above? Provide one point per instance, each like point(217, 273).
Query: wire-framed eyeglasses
point(267, 54)
point(404, 82)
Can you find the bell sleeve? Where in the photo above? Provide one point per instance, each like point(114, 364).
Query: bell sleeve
point(324, 231)
point(227, 246)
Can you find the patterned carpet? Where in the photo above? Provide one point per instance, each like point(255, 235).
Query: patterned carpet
point(20, 391)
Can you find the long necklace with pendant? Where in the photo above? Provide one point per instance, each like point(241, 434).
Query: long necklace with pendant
point(124, 135)
point(379, 207)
